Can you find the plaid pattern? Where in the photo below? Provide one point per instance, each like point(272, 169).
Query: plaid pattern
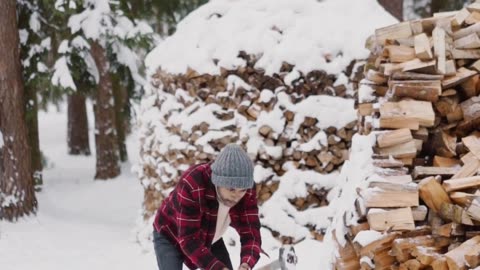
point(188, 217)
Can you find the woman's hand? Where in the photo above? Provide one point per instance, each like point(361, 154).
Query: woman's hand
point(244, 266)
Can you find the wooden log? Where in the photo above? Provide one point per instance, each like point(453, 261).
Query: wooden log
point(450, 68)
point(425, 255)
point(422, 47)
point(444, 144)
point(468, 42)
point(419, 66)
point(355, 229)
point(403, 113)
point(474, 7)
point(402, 247)
point(399, 53)
point(396, 219)
point(473, 210)
point(476, 66)
point(365, 109)
point(370, 249)
point(467, 31)
point(348, 258)
point(460, 18)
point(461, 183)
point(403, 150)
point(456, 257)
point(398, 179)
point(472, 256)
point(473, 18)
point(376, 77)
point(416, 76)
point(416, 65)
point(419, 212)
point(463, 199)
point(426, 90)
point(433, 194)
point(438, 36)
point(469, 87)
point(383, 194)
point(439, 161)
point(462, 75)
point(387, 163)
point(471, 108)
point(399, 30)
point(465, 53)
point(423, 171)
point(455, 213)
point(420, 134)
point(440, 264)
point(467, 170)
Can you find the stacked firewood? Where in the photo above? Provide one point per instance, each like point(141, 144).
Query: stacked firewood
point(247, 93)
point(420, 99)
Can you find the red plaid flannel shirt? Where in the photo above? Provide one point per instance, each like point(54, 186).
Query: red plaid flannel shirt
point(188, 217)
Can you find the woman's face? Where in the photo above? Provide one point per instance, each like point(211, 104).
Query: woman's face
point(230, 196)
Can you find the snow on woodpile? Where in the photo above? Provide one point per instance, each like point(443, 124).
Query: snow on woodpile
point(415, 204)
point(277, 77)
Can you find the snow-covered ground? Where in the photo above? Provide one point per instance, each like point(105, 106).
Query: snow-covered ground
point(86, 224)
point(81, 223)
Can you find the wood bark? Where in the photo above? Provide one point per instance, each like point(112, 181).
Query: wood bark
point(78, 142)
point(105, 132)
point(31, 116)
point(17, 197)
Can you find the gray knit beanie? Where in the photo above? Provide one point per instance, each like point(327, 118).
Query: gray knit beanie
point(233, 168)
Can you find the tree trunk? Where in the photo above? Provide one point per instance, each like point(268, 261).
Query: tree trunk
point(120, 97)
point(17, 196)
point(31, 105)
point(394, 7)
point(105, 133)
point(78, 143)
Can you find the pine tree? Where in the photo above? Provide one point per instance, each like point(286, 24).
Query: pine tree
point(105, 44)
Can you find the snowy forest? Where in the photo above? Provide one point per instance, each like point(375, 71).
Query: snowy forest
point(105, 103)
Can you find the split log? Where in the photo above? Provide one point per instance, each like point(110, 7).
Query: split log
point(396, 219)
point(400, 53)
point(427, 90)
point(422, 171)
point(439, 161)
point(444, 144)
point(456, 257)
point(383, 194)
point(406, 114)
point(390, 138)
point(461, 183)
point(433, 194)
point(438, 36)
point(403, 150)
point(422, 47)
point(400, 30)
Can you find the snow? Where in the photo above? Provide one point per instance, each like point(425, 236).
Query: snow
point(304, 33)
point(80, 223)
point(366, 237)
point(62, 76)
point(86, 224)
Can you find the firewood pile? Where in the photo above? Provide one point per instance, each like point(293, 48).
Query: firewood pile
point(241, 102)
point(420, 99)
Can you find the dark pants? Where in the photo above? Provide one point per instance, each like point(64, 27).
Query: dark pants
point(169, 258)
